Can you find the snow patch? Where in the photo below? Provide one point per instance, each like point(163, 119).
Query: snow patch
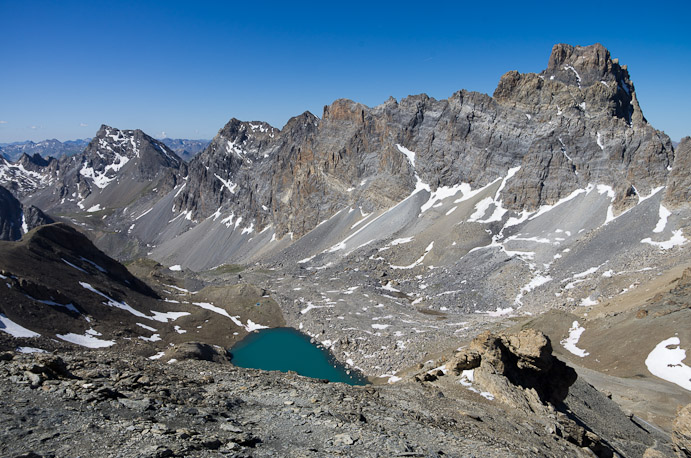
point(587, 302)
point(677, 239)
point(73, 266)
point(419, 260)
point(15, 330)
point(148, 328)
point(665, 362)
point(252, 326)
point(153, 338)
point(578, 77)
point(443, 192)
point(538, 280)
point(662, 222)
point(571, 342)
point(409, 154)
point(30, 350)
point(25, 227)
point(86, 340)
point(229, 185)
point(467, 378)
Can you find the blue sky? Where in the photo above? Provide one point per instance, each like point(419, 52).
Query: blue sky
point(185, 69)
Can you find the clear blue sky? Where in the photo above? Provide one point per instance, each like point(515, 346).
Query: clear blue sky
point(185, 69)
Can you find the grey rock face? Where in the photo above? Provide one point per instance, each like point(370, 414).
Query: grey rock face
point(578, 122)
point(679, 187)
point(10, 216)
point(16, 219)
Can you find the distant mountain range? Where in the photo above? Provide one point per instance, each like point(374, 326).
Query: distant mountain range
point(45, 148)
point(184, 148)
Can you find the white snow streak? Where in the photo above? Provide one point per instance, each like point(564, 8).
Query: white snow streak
point(15, 330)
point(677, 239)
point(662, 222)
point(86, 340)
point(571, 342)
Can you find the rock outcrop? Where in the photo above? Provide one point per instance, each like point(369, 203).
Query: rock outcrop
point(679, 187)
point(17, 219)
point(518, 369)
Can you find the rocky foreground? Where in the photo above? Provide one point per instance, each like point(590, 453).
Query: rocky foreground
point(98, 403)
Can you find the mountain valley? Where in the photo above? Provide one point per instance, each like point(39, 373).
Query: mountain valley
point(457, 252)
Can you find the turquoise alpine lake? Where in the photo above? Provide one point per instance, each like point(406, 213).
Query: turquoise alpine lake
point(286, 349)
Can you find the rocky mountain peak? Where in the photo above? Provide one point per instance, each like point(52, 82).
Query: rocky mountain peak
point(111, 149)
point(345, 110)
point(584, 66)
point(577, 80)
point(35, 161)
point(243, 140)
point(300, 121)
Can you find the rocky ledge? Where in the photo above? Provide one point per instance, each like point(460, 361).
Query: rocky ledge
point(97, 403)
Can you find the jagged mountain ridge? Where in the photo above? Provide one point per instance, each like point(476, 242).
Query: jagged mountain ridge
point(563, 129)
point(582, 114)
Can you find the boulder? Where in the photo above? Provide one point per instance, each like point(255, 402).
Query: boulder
point(521, 370)
point(463, 360)
point(197, 351)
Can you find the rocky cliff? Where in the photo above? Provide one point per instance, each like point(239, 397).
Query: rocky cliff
point(577, 122)
point(17, 219)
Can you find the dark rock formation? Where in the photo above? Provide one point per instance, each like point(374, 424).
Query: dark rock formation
point(197, 351)
point(17, 219)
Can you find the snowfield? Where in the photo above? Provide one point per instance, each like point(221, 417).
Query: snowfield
point(665, 361)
